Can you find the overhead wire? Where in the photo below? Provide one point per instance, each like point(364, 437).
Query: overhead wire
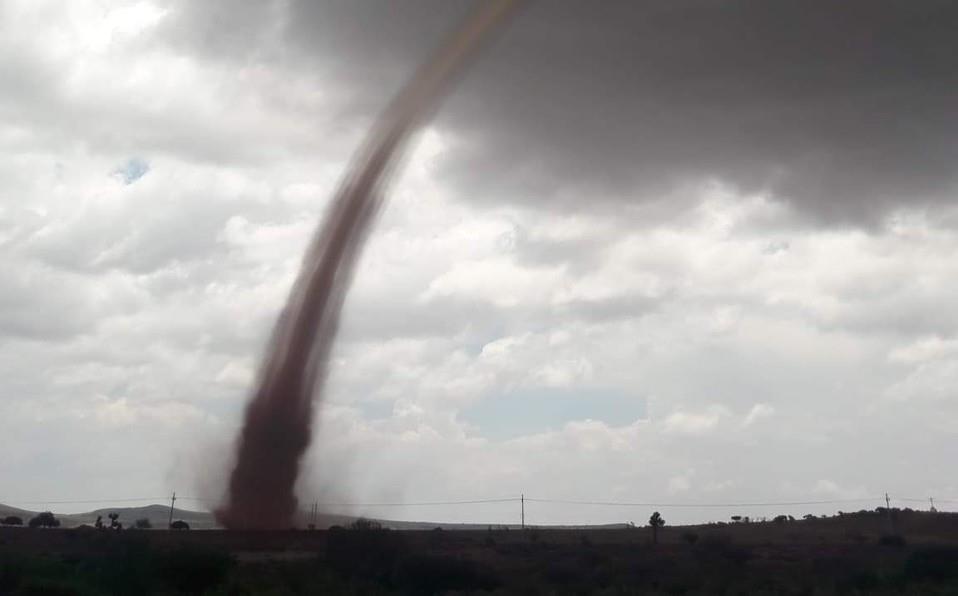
point(595, 503)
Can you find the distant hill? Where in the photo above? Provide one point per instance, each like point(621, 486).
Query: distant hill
point(159, 516)
point(6, 510)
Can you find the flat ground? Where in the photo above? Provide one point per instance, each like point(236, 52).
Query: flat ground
point(839, 555)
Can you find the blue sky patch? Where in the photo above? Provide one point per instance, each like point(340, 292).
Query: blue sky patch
point(527, 411)
point(131, 171)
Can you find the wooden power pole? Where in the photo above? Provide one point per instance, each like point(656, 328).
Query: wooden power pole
point(172, 502)
point(522, 510)
point(891, 519)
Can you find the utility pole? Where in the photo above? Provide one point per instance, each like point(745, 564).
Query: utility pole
point(172, 502)
point(932, 501)
point(522, 516)
point(891, 520)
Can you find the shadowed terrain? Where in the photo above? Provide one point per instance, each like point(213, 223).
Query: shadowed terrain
point(847, 554)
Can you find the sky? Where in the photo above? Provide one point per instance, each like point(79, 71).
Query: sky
point(670, 252)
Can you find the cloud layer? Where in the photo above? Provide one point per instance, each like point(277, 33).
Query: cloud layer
point(705, 249)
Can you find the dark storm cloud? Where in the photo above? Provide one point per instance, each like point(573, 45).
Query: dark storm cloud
point(845, 109)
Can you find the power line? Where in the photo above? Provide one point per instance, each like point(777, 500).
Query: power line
point(80, 502)
point(516, 499)
point(424, 503)
point(702, 505)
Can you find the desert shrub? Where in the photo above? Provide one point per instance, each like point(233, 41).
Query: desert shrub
point(24, 575)
point(861, 582)
point(718, 553)
point(364, 525)
point(12, 520)
point(716, 540)
point(179, 525)
point(11, 573)
point(932, 563)
point(121, 567)
point(893, 540)
point(430, 574)
point(855, 536)
point(142, 524)
point(371, 554)
point(115, 521)
point(50, 587)
point(570, 573)
point(193, 570)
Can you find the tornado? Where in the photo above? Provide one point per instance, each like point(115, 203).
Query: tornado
point(277, 426)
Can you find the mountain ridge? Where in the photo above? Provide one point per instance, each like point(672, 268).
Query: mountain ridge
point(159, 516)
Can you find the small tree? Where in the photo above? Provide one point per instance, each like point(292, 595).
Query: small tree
point(656, 522)
point(365, 525)
point(179, 525)
point(114, 521)
point(12, 520)
point(143, 524)
point(44, 520)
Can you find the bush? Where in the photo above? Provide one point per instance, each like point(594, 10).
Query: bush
point(142, 524)
point(45, 587)
point(718, 552)
point(893, 540)
point(12, 520)
point(856, 537)
point(690, 537)
point(366, 553)
point(933, 563)
point(365, 525)
point(193, 570)
point(425, 574)
point(44, 520)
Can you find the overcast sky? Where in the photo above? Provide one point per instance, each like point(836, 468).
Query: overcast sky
point(660, 251)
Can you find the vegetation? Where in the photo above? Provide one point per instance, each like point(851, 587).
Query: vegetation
point(656, 522)
point(12, 520)
point(365, 525)
point(380, 561)
point(848, 555)
point(44, 520)
point(115, 521)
